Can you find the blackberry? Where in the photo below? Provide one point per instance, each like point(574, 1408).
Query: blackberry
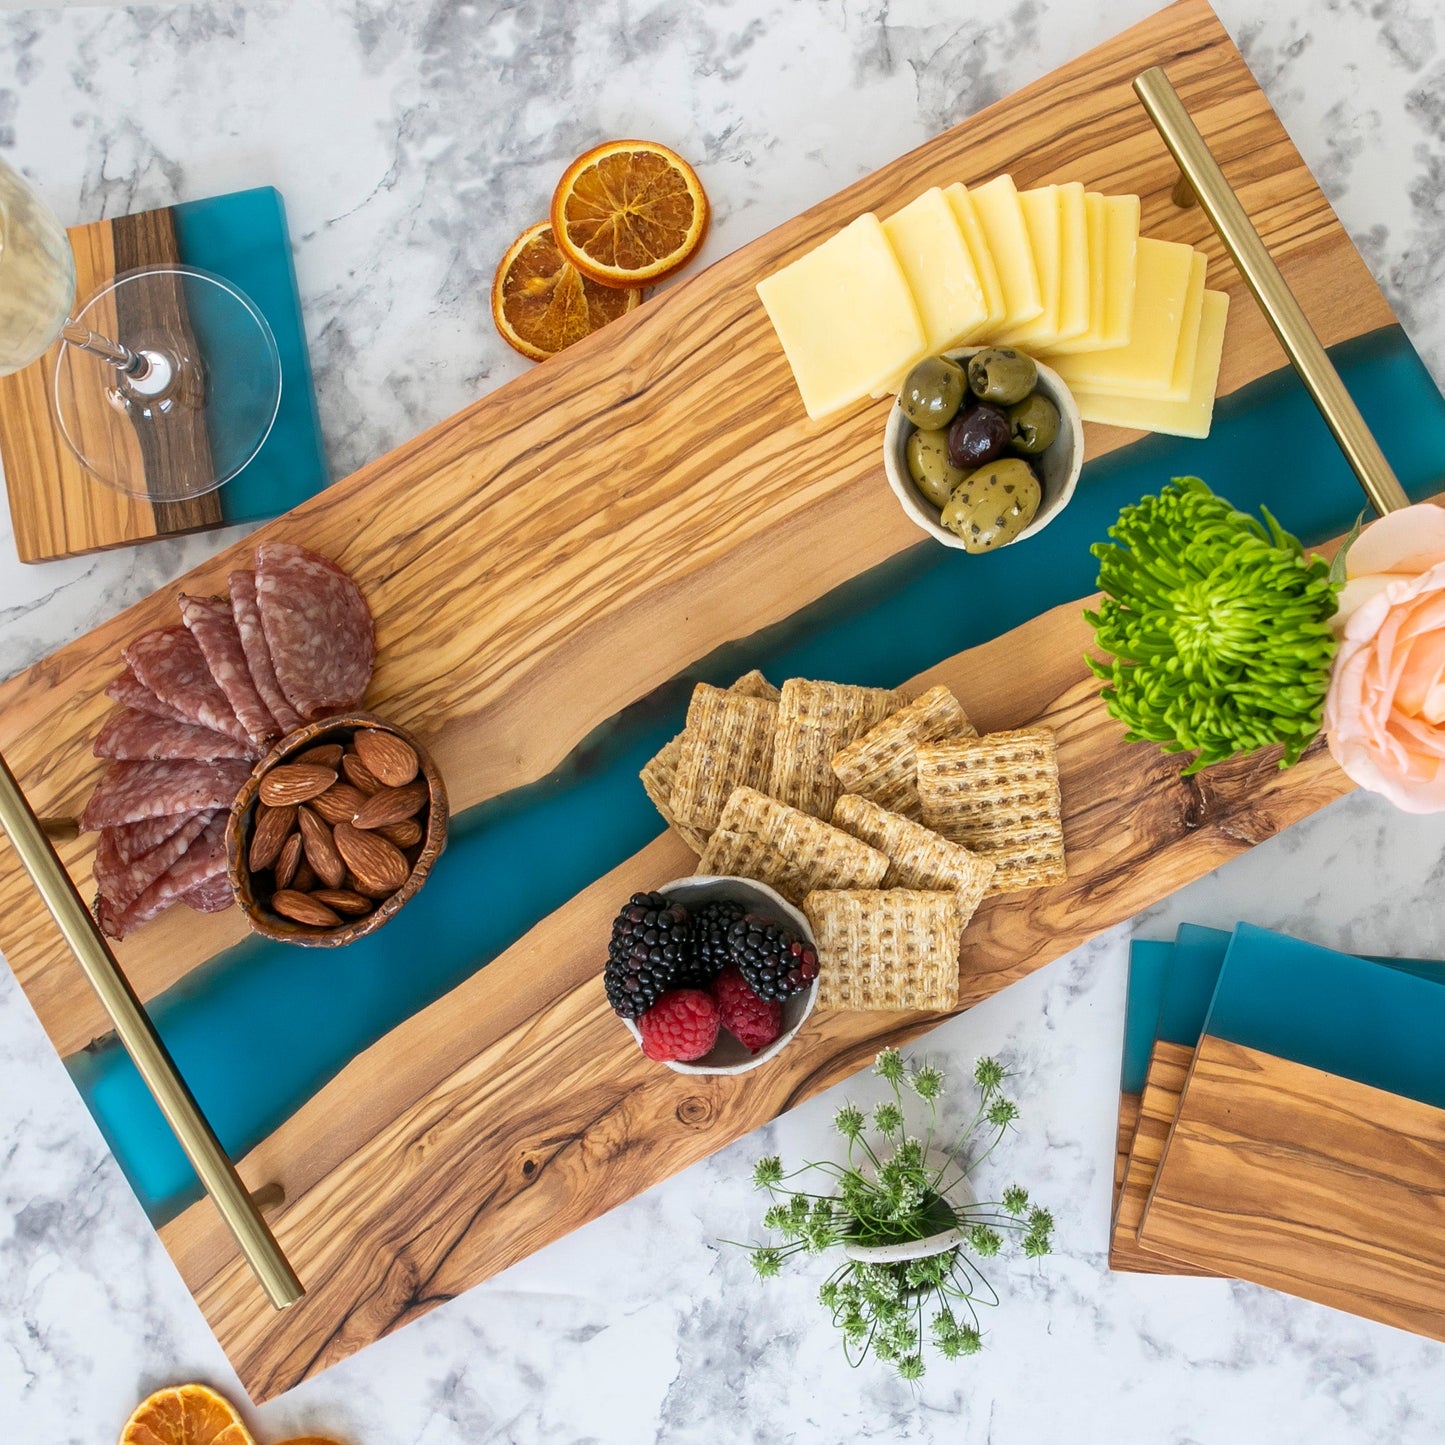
point(651, 948)
point(711, 923)
point(773, 959)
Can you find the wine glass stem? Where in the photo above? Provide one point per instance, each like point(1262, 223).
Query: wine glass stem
point(127, 362)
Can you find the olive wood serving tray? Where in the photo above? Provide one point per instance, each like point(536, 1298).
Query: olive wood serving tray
point(508, 630)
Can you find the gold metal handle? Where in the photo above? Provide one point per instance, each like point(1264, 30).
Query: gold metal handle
point(139, 1039)
point(1286, 318)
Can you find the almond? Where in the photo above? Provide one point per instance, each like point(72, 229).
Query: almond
point(391, 805)
point(390, 760)
point(303, 908)
point(305, 879)
point(340, 803)
point(377, 866)
point(405, 834)
point(359, 775)
point(288, 860)
point(321, 852)
point(295, 783)
point(343, 900)
point(324, 755)
point(272, 827)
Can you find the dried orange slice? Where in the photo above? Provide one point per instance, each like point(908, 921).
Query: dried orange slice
point(185, 1415)
point(629, 213)
point(542, 303)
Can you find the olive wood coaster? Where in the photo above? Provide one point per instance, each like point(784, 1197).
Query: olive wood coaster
point(457, 1144)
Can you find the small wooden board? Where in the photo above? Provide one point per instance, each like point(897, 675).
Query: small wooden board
point(1306, 1182)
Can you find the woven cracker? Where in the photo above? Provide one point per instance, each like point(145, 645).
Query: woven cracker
point(727, 744)
point(815, 720)
point(754, 684)
point(758, 837)
point(917, 856)
point(883, 763)
point(998, 795)
point(890, 949)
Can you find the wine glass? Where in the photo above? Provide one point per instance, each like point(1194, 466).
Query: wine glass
point(166, 381)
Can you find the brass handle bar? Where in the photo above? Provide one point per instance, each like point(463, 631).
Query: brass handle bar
point(1286, 318)
point(139, 1039)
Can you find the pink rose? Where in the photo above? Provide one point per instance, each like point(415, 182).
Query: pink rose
point(1385, 713)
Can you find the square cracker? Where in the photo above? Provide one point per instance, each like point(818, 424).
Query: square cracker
point(660, 773)
point(727, 744)
point(998, 795)
point(815, 720)
point(883, 764)
point(917, 856)
point(758, 837)
point(891, 949)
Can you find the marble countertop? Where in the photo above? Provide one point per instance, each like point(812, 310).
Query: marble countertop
point(411, 142)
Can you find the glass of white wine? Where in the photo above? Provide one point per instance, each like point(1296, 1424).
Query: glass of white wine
point(166, 382)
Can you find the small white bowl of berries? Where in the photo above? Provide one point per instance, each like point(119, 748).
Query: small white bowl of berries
point(711, 975)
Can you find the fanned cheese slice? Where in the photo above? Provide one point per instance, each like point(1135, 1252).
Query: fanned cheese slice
point(1059, 234)
point(968, 222)
point(1002, 217)
point(1113, 262)
point(1191, 417)
point(939, 268)
point(845, 316)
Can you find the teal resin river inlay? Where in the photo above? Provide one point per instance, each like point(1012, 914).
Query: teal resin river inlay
point(259, 1029)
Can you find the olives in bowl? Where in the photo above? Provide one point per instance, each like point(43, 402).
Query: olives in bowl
point(996, 467)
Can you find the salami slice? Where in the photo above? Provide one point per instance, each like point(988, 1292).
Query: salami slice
point(122, 881)
point(212, 896)
point(131, 791)
point(170, 663)
point(202, 861)
point(247, 613)
point(318, 629)
point(130, 840)
point(129, 691)
point(136, 736)
point(213, 626)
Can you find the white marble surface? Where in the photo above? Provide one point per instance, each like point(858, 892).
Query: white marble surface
point(411, 142)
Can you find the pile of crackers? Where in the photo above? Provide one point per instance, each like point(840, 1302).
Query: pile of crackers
point(887, 820)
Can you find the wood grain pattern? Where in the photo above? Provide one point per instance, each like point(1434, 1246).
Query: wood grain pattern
point(1163, 1084)
point(1308, 1183)
point(1123, 1140)
point(57, 508)
point(506, 625)
point(507, 632)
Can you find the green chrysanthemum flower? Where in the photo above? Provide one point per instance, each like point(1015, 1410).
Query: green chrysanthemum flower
point(1218, 628)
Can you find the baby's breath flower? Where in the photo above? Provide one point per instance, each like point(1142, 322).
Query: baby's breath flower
point(1041, 1220)
point(889, 1065)
point(767, 1172)
point(910, 1367)
point(888, 1118)
point(1002, 1112)
point(1015, 1199)
point(984, 1242)
point(988, 1074)
point(776, 1217)
point(848, 1121)
point(969, 1339)
point(927, 1082)
point(766, 1261)
point(828, 1295)
point(1035, 1246)
point(909, 1154)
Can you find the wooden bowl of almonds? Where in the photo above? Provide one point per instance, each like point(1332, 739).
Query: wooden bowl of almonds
point(335, 830)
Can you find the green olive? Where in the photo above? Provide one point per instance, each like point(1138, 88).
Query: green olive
point(932, 392)
point(1033, 423)
point(993, 505)
point(1001, 375)
point(928, 464)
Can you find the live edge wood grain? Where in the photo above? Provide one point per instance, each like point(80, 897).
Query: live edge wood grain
point(508, 628)
point(1308, 1183)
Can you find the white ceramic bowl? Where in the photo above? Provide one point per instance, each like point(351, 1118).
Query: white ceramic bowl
point(1058, 467)
point(728, 1056)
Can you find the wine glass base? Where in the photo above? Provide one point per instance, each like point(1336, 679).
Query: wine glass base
point(201, 408)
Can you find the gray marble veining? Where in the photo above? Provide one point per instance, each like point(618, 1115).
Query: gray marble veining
point(411, 142)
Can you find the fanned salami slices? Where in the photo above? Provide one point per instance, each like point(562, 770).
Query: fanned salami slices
point(247, 613)
point(136, 736)
point(131, 791)
point(213, 626)
point(122, 881)
point(170, 663)
point(318, 629)
point(212, 896)
point(131, 840)
point(204, 860)
point(129, 691)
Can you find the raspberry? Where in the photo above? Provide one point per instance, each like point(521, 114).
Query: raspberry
point(752, 1021)
point(681, 1025)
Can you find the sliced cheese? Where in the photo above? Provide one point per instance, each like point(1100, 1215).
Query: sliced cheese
point(1076, 264)
point(966, 215)
point(845, 316)
point(1113, 264)
point(939, 267)
point(1043, 220)
point(1002, 218)
point(1182, 384)
point(1189, 418)
point(1145, 366)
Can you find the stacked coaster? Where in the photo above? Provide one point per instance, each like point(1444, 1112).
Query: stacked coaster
point(887, 821)
point(1282, 1120)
